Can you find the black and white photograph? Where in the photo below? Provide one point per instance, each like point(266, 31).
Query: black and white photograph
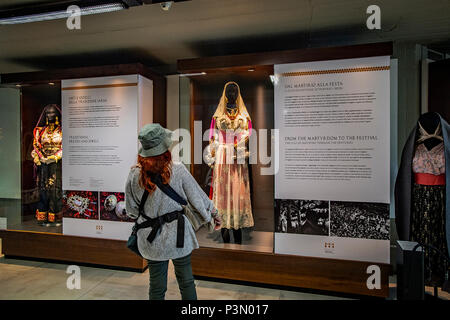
point(359, 220)
point(303, 217)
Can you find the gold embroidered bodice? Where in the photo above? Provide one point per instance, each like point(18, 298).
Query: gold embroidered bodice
point(47, 142)
point(239, 123)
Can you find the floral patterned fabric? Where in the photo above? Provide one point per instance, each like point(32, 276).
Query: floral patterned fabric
point(231, 186)
point(429, 161)
point(428, 227)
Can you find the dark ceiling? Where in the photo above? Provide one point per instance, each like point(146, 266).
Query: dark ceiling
point(215, 27)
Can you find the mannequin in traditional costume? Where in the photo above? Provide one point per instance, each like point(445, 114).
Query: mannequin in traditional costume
point(422, 196)
point(230, 189)
point(47, 153)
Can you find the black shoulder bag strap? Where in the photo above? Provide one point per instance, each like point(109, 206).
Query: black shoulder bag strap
point(137, 225)
point(167, 189)
point(142, 203)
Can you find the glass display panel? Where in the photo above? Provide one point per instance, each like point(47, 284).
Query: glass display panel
point(233, 109)
point(33, 142)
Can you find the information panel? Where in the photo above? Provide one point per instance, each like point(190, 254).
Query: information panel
point(100, 128)
point(332, 186)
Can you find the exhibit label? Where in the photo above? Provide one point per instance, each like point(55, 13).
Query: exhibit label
point(332, 187)
point(100, 117)
point(100, 145)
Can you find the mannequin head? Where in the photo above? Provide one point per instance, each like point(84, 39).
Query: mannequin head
point(232, 92)
point(51, 112)
point(429, 121)
point(231, 99)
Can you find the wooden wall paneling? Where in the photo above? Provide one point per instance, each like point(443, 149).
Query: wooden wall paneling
point(288, 270)
point(288, 56)
point(72, 249)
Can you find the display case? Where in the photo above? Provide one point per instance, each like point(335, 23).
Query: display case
point(246, 199)
point(212, 118)
point(42, 217)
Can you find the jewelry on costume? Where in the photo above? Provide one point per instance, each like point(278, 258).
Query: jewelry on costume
point(110, 202)
point(424, 135)
point(120, 210)
point(78, 203)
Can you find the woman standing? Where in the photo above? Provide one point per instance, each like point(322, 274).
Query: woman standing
point(154, 160)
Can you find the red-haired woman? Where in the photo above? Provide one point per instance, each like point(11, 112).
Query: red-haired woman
point(155, 162)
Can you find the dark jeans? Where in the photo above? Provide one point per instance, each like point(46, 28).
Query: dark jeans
point(183, 272)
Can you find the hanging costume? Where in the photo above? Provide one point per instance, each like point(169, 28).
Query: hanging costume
point(47, 154)
point(422, 204)
point(230, 190)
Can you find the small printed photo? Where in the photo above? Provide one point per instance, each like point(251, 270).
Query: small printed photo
point(112, 207)
point(80, 204)
point(302, 217)
point(360, 220)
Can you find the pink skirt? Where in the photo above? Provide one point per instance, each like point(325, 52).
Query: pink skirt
point(231, 189)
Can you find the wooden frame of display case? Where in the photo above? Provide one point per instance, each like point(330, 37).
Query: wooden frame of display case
point(276, 269)
point(56, 246)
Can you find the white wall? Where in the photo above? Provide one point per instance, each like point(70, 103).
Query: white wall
point(9, 143)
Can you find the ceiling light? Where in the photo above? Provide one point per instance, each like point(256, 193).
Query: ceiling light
point(62, 14)
point(274, 79)
point(166, 5)
point(251, 70)
point(51, 83)
point(193, 74)
point(18, 85)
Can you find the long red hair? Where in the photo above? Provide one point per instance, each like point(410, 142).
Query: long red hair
point(161, 165)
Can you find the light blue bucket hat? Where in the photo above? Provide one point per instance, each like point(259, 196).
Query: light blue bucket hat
point(155, 140)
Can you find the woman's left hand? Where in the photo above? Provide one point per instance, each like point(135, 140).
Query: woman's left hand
point(217, 222)
point(217, 219)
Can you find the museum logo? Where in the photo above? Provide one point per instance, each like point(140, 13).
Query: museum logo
point(329, 247)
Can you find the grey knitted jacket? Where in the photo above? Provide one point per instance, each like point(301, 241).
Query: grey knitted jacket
point(158, 203)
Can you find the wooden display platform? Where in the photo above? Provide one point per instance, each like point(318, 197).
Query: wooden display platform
point(55, 246)
point(334, 275)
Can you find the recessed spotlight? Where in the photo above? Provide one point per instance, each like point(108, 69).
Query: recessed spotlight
point(51, 83)
point(18, 85)
point(251, 70)
point(274, 79)
point(166, 5)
